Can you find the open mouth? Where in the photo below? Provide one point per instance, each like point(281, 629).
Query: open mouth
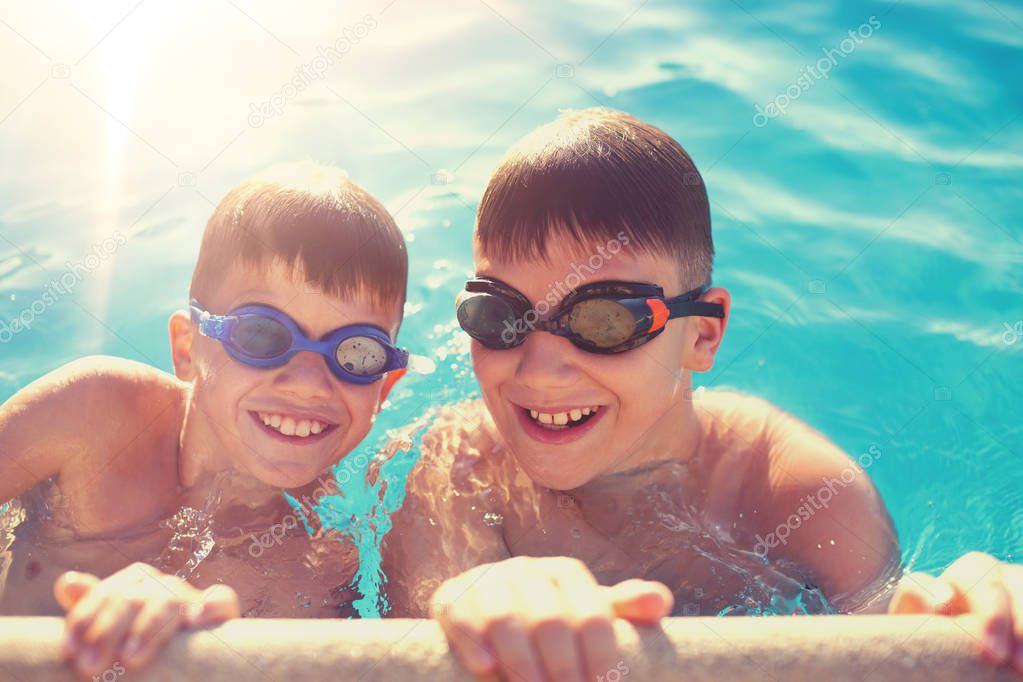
point(292, 428)
point(561, 421)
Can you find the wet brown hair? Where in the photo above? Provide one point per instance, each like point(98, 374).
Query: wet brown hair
point(589, 175)
point(314, 219)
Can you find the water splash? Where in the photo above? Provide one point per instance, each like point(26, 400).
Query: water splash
point(12, 515)
point(370, 490)
point(192, 537)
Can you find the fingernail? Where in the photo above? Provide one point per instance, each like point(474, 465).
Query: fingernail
point(132, 647)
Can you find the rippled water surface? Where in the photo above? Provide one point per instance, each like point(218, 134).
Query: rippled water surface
point(866, 219)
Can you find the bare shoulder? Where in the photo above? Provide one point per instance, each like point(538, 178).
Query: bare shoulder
point(95, 390)
point(810, 502)
point(767, 437)
point(78, 414)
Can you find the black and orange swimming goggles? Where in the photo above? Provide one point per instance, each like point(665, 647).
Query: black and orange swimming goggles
point(602, 317)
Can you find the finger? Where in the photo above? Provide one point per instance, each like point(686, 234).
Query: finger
point(103, 640)
point(1012, 575)
point(919, 593)
point(153, 627)
point(215, 605)
point(593, 619)
point(551, 615)
point(455, 608)
point(641, 601)
point(977, 579)
point(78, 621)
point(105, 636)
point(71, 586)
point(507, 636)
point(513, 649)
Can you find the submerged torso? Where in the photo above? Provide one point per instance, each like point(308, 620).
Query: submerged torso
point(264, 553)
point(687, 524)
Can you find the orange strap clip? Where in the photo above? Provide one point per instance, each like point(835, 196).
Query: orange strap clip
point(660, 312)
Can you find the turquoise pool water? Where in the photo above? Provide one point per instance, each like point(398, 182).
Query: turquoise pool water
point(865, 192)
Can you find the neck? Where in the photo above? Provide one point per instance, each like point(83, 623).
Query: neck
point(664, 450)
point(202, 465)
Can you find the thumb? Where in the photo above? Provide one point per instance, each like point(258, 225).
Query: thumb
point(922, 593)
point(641, 601)
point(70, 587)
point(213, 606)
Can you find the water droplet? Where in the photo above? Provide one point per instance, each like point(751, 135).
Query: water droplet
point(493, 519)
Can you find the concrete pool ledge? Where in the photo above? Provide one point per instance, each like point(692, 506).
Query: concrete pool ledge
point(793, 649)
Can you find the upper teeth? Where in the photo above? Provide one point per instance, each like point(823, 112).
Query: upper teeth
point(291, 427)
point(561, 418)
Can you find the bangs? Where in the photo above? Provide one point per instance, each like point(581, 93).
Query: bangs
point(597, 175)
point(332, 233)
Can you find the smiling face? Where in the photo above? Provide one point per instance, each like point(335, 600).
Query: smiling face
point(539, 392)
point(285, 424)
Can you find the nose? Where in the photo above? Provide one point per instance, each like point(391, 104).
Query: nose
point(305, 377)
point(547, 362)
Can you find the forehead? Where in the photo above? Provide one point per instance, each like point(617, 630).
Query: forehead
point(286, 288)
point(569, 265)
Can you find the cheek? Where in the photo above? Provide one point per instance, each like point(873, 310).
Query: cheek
point(643, 379)
point(222, 382)
point(492, 367)
point(360, 404)
point(655, 378)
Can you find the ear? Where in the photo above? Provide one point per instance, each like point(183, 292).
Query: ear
point(710, 331)
point(180, 328)
point(389, 381)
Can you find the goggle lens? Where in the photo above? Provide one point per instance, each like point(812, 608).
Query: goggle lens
point(489, 319)
point(261, 337)
point(361, 355)
point(601, 322)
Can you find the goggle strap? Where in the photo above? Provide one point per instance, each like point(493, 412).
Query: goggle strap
point(695, 309)
point(210, 325)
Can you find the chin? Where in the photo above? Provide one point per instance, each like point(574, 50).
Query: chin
point(284, 473)
point(569, 478)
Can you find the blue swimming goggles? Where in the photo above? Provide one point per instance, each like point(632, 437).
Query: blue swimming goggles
point(261, 336)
